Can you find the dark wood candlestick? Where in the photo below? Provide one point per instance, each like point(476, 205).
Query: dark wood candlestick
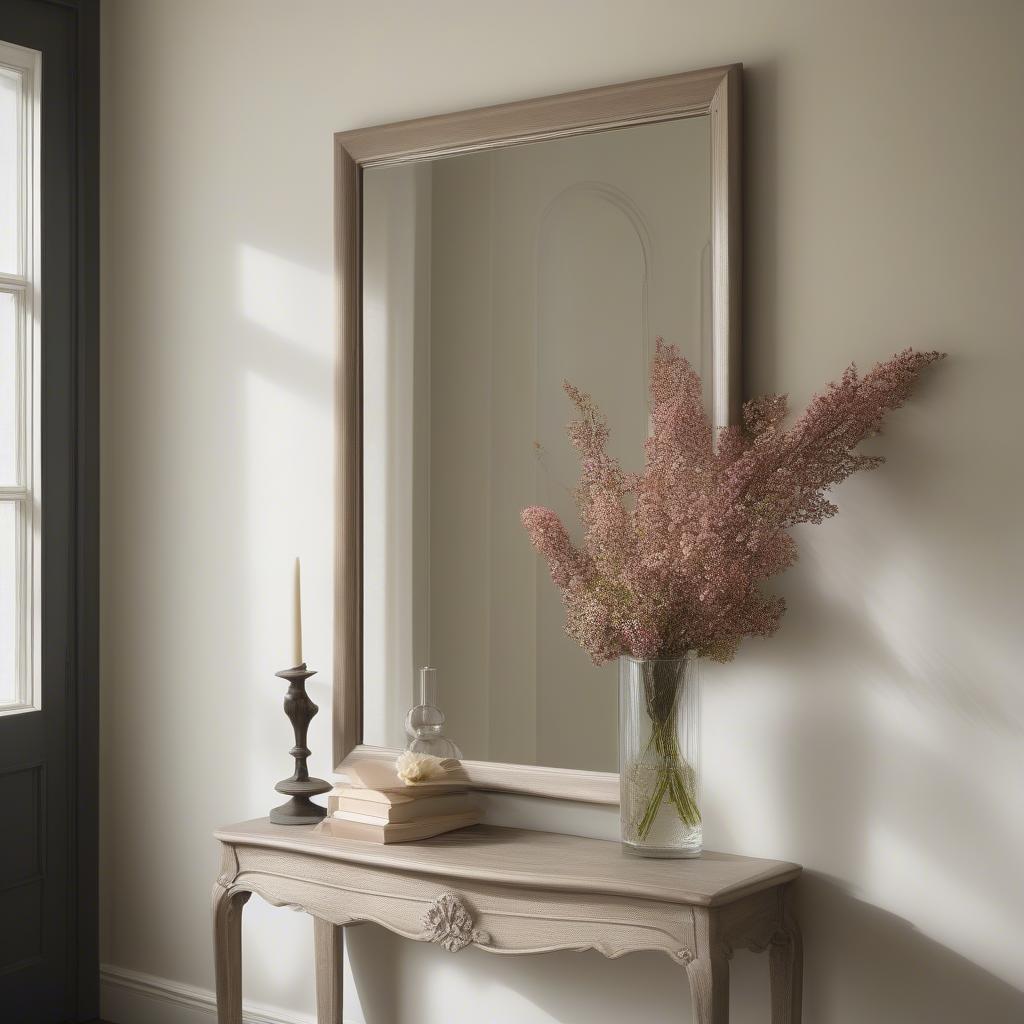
point(299, 810)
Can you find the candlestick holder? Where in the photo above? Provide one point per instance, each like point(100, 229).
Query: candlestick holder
point(300, 809)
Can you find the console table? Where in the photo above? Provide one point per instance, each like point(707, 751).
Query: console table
point(512, 891)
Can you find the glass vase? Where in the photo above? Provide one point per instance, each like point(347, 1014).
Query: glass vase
point(659, 756)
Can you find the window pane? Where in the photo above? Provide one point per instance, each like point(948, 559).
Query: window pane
point(9, 390)
point(10, 163)
point(9, 617)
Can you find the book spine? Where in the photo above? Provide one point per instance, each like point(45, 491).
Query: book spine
point(363, 819)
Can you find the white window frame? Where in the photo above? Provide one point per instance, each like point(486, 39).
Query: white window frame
point(25, 286)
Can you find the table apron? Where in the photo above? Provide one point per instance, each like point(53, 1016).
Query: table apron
point(456, 912)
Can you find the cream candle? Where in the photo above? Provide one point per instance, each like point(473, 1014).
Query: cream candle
point(298, 614)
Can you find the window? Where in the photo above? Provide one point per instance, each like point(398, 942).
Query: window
point(20, 82)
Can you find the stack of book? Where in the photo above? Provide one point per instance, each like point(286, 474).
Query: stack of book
point(377, 807)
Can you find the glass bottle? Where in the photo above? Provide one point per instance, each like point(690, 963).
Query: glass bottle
point(424, 724)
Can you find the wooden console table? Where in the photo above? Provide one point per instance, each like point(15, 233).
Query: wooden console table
point(512, 891)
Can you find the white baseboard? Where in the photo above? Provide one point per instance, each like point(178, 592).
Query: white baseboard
point(131, 997)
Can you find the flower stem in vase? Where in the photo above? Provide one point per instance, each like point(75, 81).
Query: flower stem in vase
point(675, 779)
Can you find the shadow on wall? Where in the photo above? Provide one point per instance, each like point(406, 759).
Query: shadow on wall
point(876, 967)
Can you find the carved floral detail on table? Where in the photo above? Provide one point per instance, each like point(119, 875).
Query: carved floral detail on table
point(449, 923)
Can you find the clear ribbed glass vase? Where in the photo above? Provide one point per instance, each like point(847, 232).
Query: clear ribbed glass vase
point(659, 756)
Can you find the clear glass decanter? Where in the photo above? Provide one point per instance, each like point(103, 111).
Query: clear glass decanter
point(424, 724)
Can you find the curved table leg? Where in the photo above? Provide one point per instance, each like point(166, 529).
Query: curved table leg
point(786, 968)
point(330, 947)
point(227, 951)
point(708, 971)
point(709, 989)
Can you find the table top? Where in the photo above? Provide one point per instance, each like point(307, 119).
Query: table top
point(536, 860)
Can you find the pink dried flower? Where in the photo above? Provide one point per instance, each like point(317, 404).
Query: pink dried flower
point(673, 558)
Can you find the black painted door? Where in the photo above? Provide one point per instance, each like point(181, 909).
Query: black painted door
point(48, 798)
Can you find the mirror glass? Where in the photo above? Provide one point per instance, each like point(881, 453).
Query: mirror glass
point(488, 279)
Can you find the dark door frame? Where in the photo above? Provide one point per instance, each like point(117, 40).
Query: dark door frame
point(84, 677)
point(83, 668)
point(70, 428)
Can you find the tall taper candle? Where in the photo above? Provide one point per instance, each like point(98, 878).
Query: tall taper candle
point(298, 613)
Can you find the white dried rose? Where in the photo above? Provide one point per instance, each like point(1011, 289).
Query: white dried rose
point(413, 767)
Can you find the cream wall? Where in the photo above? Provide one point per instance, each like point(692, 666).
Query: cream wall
point(877, 739)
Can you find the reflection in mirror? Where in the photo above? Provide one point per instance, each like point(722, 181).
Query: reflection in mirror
point(488, 278)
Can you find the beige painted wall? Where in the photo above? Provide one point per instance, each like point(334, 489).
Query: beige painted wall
point(877, 738)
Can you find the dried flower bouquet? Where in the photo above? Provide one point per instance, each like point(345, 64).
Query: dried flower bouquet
point(673, 558)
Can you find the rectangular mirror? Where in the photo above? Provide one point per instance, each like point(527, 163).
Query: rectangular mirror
point(484, 258)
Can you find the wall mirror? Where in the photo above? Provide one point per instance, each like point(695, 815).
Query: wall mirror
point(483, 258)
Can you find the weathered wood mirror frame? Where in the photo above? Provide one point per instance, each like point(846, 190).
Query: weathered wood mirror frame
point(714, 93)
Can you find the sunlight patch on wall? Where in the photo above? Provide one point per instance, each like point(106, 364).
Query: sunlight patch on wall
point(291, 300)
